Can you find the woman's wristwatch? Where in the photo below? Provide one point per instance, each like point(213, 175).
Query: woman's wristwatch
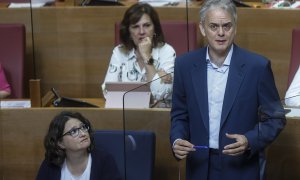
point(150, 61)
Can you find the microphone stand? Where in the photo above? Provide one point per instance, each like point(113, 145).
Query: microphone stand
point(34, 84)
point(123, 113)
point(32, 41)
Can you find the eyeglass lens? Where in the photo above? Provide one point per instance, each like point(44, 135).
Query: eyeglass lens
point(75, 132)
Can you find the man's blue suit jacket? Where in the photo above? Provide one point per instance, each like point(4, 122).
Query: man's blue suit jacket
point(251, 107)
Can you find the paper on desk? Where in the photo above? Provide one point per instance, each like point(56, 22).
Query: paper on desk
point(34, 4)
point(286, 4)
point(26, 5)
point(158, 3)
point(15, 104)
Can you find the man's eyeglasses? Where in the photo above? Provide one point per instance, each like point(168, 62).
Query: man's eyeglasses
point(75, 131)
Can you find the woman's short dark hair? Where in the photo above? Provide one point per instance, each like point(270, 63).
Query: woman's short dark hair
point(54, 154)
point(132, 16)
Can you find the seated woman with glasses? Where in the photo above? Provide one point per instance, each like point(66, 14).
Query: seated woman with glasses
point(4, 86)
point(70, 152)
point(143, 55)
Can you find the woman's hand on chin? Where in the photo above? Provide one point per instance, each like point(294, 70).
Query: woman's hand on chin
point(145, 48)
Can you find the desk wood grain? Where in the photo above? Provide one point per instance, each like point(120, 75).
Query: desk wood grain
point(73, 45)
point(23, 130)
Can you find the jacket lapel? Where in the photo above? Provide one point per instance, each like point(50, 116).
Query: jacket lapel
point(199, 80)
point(234, 81)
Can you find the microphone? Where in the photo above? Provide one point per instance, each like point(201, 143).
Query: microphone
point(33, 42)
point(265, 113)
point(262, 111)
point(291, 97)
point(129, 142)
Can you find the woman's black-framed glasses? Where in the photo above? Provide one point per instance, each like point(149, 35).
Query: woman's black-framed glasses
point(75, 131)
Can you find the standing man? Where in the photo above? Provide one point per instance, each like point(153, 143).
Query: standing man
point(226, 107)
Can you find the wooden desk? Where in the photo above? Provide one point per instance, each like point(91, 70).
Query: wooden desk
point(23, 130)
point(284, 154)
point(96, 101)
point(73, 45)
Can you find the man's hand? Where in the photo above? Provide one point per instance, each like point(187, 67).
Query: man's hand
point(181, 148)
point(237, 148)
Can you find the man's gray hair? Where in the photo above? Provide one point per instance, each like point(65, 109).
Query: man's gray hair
point(227, 5)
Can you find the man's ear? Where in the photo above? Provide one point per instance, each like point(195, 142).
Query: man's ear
point(202, 30)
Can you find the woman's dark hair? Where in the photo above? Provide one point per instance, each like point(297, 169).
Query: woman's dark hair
point(54, 154)
point(132, 16)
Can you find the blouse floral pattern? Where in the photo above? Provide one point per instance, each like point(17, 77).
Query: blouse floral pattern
point(123, 67)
